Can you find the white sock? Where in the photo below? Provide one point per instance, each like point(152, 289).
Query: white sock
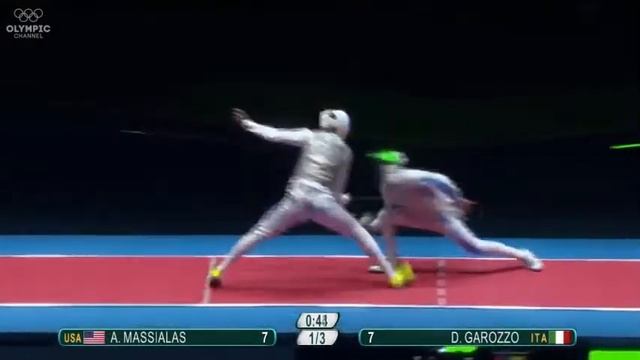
point(241, 247)
point(388, 232)
point(372, 248)
point(458, 231)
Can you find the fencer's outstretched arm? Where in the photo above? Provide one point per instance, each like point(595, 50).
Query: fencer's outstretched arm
point(296, 137)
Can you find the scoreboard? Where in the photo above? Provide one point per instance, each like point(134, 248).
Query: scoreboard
point(318, 329)
point(167, 337)
point(467, 337)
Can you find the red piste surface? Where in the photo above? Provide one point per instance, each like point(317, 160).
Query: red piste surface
point(316, 280)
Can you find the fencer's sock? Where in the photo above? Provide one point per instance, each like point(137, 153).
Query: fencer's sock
point(241, 247)
point(377, 269)
point(462, 235)
point(370, 246)
point(531, 261)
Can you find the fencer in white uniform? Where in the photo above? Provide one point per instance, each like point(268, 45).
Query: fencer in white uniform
point(430, 201)
point(315, 191)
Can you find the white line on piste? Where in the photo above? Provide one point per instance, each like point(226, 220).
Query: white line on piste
point(296, 257)
point(441, 283)
point(287, 305)
point(206, 292)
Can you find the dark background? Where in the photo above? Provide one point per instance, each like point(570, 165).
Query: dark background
point(517, 101)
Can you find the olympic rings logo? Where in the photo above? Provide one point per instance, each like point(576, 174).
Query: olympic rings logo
point(31, 15)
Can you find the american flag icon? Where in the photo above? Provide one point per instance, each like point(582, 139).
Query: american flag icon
point(93, 337)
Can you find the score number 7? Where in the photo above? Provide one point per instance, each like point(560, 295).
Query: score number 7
point(264, 338)
point(370, 336)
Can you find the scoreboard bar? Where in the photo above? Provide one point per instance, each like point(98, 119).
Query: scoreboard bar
point(167, 337)
point(467, 337)
point(317, 320)
point(317, 337)
point(317, 329)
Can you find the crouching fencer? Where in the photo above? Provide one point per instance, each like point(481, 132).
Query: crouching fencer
point(430, 201)
point(315, 192)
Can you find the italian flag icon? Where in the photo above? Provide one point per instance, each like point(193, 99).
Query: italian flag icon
point(561, 337)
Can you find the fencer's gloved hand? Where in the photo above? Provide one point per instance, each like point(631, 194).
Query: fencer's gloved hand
point(240, 116)
point(345, 199)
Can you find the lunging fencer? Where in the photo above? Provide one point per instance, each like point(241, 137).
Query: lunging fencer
point(315, 192)
point(426, 200)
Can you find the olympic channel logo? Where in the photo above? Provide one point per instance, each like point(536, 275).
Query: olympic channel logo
point(31, 15)
point(28, 29)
